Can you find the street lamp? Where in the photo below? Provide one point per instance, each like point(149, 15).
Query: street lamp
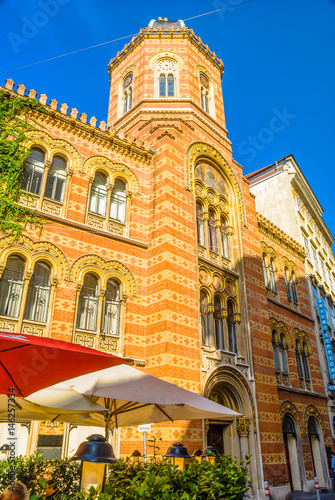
point(178, 454)
point(210, 454)
point(135, 456)
point(94, 454)
point(197, 455)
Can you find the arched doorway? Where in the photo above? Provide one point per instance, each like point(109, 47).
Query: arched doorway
point(314, 438)
point(291, 453)
point(233, 436)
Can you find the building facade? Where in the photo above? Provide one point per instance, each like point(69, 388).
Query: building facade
point(284, 196)
point(152, 249)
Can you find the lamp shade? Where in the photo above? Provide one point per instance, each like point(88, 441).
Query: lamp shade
point(210, 454)
point(96, 450)
point(197, 454)
point(4, 448)
point(178, 454)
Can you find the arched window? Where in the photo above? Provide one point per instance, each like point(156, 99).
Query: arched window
point(38, 295)
point(11, 287)
point(118, 201)
point(204, 92)
point(88, 304)
point(98, 197)
point(287, 283)
point(212, 239)
point(56, 180)
point(218, 324)
point(304, 355)
point(231, 327)
point(224, 239)
point(127, 92)
point(273, 284)
point(293, 283)
point(298, 354)
point(33, 172)
point(166, 69)
point(200, 225)
point(205, 319)
point(265, 269)
point(275, 351)
point(111, 316)
point(282, 351)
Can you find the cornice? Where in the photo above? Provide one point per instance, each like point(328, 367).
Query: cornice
point(90, 229)
point(209, 122)
point(217, 266)
point(270, 230)
point(71, 123)
point(183, 33)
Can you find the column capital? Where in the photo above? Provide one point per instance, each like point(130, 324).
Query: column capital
point(243, 426)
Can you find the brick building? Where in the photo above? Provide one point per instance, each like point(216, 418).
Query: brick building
point(152, 249)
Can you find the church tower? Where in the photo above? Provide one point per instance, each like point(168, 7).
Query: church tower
point(165, 93)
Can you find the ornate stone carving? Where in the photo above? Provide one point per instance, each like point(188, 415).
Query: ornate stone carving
point(108, 344)
point(33, 330)
point(200, 149)
point(28, 201)
point(113, 169)
point(214, 257)
point(107, 268)
point(53, 146)
point(243, 426)
point(114, 227)
point(7, 326)
point(166, 55)
point(51, 207)
point(95, 221)
point(85, 340)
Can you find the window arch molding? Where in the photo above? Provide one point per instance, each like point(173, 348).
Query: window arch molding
point(173, 66)
point(35, 251)
point(287, 408)
point(312, 412)
point(105, 270)
point(112, 170)
point(131, 70)
point(207, 91)
point(201, 152)
point(53, 147)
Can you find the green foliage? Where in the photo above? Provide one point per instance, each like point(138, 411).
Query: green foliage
point(14, 125)
point(158, 480)
point(200, 480)
point(34, 470)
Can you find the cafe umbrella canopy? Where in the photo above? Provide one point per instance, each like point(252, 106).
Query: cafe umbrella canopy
point(29, 363)
point(134, 397)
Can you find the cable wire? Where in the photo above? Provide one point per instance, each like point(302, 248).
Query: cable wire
point(115, 40)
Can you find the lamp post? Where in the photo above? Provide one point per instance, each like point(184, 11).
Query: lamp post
point(197, 455)
point(210, 454)
point(135, 456)
point(178, 454)
point(94, 454)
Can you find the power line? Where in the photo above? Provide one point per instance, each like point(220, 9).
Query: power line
point(218, 10)
point(115, 40)
point(68, 54)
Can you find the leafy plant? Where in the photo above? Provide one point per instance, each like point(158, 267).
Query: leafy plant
point(16, 119)
point(34, 471)
point(225, 478)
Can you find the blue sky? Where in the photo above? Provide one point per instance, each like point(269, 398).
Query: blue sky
point(278, 57)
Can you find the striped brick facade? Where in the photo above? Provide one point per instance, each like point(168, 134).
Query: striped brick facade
point(172, 154)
